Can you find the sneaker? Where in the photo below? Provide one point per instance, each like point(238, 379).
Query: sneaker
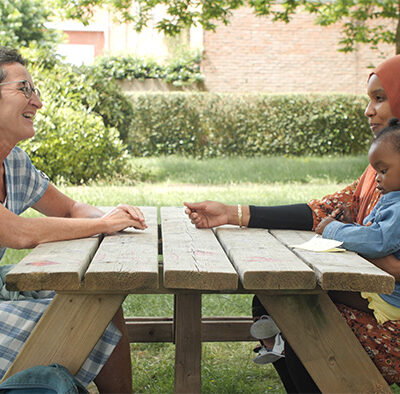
point(266, 356)
point(264, 328)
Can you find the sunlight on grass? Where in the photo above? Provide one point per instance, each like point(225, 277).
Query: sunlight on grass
point(263, 169)
point(169, 194)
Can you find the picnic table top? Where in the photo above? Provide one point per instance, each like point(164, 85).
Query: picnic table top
point(226, 259)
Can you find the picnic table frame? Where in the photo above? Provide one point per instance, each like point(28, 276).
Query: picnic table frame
point(92, 277)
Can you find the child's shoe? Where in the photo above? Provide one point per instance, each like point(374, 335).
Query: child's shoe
point(266, 356)
point(264, 328)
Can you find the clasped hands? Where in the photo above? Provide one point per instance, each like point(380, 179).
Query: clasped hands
point(123, 216)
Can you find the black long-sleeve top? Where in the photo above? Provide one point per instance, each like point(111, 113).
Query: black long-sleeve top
point(293, 217)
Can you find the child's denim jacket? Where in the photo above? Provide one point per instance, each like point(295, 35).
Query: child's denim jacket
point(378, 237)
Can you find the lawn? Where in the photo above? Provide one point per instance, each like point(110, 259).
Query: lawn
point(227, 367)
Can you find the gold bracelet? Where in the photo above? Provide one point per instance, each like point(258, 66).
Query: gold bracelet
point(240, 215)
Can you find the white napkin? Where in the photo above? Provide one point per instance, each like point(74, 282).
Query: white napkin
point(319, 244)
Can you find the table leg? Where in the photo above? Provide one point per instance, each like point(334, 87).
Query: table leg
point(67, 331)
point(324, 343)
point(187, 343)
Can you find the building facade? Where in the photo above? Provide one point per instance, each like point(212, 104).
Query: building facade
point(251, 54)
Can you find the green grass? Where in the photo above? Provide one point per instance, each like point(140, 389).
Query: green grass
point(226, 367)
point(262, 170)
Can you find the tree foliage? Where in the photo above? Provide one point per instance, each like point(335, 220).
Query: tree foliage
point(364, 21)
point(23, 22)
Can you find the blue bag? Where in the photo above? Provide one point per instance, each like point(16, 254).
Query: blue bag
point(52, 379)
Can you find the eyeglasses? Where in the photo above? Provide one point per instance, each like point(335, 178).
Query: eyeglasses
point(27, 89)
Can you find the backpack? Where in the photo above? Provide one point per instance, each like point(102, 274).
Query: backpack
point(51, 379)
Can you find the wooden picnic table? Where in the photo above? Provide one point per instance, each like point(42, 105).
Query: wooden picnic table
point(93, 276)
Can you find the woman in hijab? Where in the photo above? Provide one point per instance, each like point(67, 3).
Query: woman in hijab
point(381, 340)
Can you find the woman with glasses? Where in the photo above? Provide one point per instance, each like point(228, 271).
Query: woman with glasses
point(23, 186)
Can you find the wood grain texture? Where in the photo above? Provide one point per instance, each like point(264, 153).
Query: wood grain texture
point(127, 260)
point(339, 271)
point(188, 343)
point(325, 344)
point(262, 262)
point(67, 341)
point(193, 258)
point(53, 266)
point(213, 329)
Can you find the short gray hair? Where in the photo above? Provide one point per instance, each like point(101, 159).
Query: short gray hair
point(7, 56)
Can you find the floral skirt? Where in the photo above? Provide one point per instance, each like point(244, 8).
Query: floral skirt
point(380, 341)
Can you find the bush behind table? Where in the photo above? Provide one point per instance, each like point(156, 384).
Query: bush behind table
point(211, 124)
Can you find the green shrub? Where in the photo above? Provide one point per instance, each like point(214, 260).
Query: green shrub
point(74, 86)
point(183, 69)
point(75, 146)
point(104, 97)
point(129, 67)
point(207, 124)
point(78, 129)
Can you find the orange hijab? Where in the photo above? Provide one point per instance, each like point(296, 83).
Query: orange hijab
point(389, 75)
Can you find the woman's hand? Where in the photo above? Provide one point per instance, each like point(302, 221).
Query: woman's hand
point(123, 216)
point(344, 215)
point(323, 223)
point(208, 214)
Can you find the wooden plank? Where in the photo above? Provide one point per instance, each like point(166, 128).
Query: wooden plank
point(213, 329)
point(150, 329)
point(67, 331)
point(127, 260)
point(193, 258)
point(226, 329)
point(325, 343)
point(339, 271)
point(53, 266)
point(262, 262)
point(188, 343)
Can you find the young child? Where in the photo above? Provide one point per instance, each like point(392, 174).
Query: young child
point(380, 234)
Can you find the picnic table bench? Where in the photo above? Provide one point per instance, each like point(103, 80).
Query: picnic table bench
point(92, 277)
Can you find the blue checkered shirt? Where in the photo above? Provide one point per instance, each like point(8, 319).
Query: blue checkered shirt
point(25, 185)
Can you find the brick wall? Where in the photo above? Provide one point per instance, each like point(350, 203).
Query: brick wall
point(253, 54)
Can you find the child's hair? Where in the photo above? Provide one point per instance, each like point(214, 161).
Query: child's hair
point(391, 132)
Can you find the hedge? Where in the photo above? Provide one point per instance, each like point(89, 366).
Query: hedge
point(183, 69)
point(209, 124)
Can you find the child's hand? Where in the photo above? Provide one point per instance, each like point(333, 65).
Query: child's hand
point(323, 223)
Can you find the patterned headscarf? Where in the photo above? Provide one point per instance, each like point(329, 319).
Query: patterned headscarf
point(389, 75)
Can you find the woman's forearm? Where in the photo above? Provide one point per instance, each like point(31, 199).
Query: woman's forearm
point(233, 214)
point(24, 233)
point(295, 217)
point(82, 210)
point(19, 232)
point(207, 214)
